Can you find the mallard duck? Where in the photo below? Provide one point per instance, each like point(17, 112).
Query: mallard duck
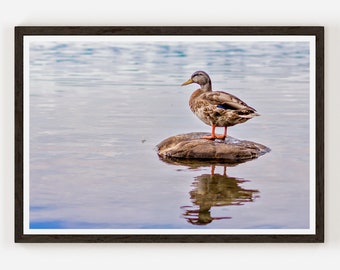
point(217, 108)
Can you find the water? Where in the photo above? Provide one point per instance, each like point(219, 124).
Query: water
point(98, 110)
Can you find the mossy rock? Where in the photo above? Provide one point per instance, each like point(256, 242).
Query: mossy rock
point(192, 146)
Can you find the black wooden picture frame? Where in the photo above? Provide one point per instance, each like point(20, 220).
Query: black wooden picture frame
point(23, 31)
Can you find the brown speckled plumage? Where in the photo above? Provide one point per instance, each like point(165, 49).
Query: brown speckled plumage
point(217, 108)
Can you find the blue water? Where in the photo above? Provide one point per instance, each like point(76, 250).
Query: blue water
point(98, 110)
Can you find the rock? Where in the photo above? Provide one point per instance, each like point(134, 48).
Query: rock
point(191, 146)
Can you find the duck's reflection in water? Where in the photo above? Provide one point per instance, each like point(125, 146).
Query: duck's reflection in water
point(215, 190)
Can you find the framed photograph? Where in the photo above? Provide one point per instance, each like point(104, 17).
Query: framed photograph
point(141, 134)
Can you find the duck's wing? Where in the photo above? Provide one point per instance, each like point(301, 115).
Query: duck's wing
point(226, 101)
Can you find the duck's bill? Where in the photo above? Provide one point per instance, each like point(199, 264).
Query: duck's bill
point(188, 82)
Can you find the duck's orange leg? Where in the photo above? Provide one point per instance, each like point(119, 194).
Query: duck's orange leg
point(222, 137)
point(212, 169)
point(213, 135)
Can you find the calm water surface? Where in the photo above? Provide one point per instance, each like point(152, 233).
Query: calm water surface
point(98, 110)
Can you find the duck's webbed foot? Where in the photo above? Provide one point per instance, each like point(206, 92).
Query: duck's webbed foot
point(221, 137)
point(209, 137)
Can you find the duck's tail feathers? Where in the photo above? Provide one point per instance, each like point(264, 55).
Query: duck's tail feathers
point(249, 115)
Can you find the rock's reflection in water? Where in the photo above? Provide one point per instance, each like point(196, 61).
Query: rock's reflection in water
point(215, 190)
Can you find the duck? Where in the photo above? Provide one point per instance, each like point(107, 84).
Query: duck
point(217, 108)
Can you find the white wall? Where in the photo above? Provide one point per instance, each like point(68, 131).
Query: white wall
point(146, 12)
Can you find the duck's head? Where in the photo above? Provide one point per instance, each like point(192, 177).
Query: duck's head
point(201, 78)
